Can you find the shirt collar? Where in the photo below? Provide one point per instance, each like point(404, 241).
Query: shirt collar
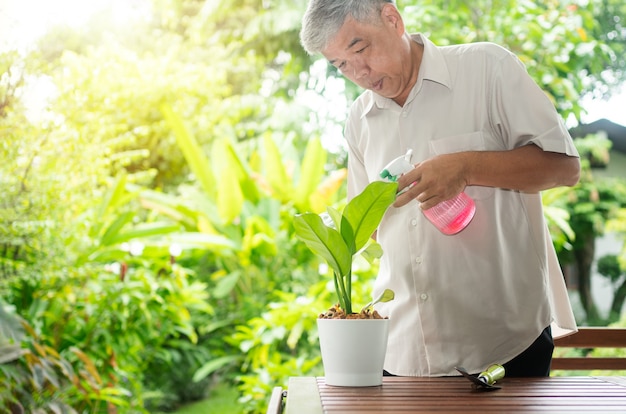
point(432, 68)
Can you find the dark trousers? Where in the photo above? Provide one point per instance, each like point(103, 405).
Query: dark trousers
point(533, 362)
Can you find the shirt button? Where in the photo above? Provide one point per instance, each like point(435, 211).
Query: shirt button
point(418, 260)
point(424, 296)
point(414, 222)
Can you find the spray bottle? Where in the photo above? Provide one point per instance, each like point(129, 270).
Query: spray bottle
point(450, 216)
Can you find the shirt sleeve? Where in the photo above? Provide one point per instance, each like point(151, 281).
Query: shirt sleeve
point(522, 112)
point(357, 173)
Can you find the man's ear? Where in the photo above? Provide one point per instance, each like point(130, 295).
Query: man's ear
point(392, 18)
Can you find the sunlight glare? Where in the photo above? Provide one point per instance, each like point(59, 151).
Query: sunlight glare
point(24, 21)
point(612, 109)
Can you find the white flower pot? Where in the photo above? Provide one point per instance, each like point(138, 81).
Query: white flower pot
point(353, 350)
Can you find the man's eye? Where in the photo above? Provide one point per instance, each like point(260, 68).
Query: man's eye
point(361, 50)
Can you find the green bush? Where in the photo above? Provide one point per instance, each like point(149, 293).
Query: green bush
point(35, 377)
point(122, 324)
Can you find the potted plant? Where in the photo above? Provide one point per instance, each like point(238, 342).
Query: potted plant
point(353, 344)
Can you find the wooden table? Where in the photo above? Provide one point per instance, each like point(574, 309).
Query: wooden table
point(310, 395)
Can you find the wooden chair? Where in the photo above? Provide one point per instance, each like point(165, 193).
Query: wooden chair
point(591, 338)
point(277, 401)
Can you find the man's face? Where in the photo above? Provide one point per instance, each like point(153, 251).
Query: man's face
point(375, 57)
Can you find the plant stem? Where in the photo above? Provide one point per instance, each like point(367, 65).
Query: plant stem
point(341, 290)
point(349, 292)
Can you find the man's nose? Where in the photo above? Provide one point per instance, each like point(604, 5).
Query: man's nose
point(360, 69)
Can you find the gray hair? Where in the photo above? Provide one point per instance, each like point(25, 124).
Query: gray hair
point(323, 19)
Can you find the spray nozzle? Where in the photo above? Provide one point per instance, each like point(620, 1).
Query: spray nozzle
point(397, 167)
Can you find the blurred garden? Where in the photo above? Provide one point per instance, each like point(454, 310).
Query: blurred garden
point(150, 171)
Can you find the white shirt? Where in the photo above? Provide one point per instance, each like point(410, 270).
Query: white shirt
point(484, 295)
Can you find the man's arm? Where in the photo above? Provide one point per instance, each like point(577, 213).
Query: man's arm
point(527, 169)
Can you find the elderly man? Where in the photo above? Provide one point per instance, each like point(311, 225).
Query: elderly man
point(475, 122)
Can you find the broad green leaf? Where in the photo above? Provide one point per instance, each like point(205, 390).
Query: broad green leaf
point(11, 326)
point(229, 198)
point(229, 194)
point(348, 235)
point(324, 241)
point(226, 284)
point(38, 377)
point(143, 231)
point(114, 197)
point(311, 173)
point(365, 211)
point(113, 230)
point(560, 217)
point(10, 353)
point(372, 251)
point(295, 334)
point(277, 176)
point(235, 165)
point(212, 366)
point(335, 215)
point(386, 296)
point(198, 162)
point(174, 207)
point(115, 391)
point(259, 238)
point(117, 401)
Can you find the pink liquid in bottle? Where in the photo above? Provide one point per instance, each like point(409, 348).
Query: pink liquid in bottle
point(452, 216)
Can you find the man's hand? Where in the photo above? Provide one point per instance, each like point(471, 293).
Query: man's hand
point(433, 181)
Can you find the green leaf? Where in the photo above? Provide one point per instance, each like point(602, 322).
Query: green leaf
point(10, 353)
point(115, 391)
point(348, 235)
point(113, 230)
point(247, 184)
point(143, 231)
point(10, 326)
point(324, 241)
point(311, 173)
point(276, 173)
point(560, 217)
point(226, 284)
point(113, 198)
point(229, 167)
point(372, 252)
point(212, 366)
point(198, 162)
point(335, 215)
point(170, 205)
point(365, 211)
point(387, 296)
point(294, 335)
point(230, 197)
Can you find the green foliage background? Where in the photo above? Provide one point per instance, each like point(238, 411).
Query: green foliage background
point(147, 251)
